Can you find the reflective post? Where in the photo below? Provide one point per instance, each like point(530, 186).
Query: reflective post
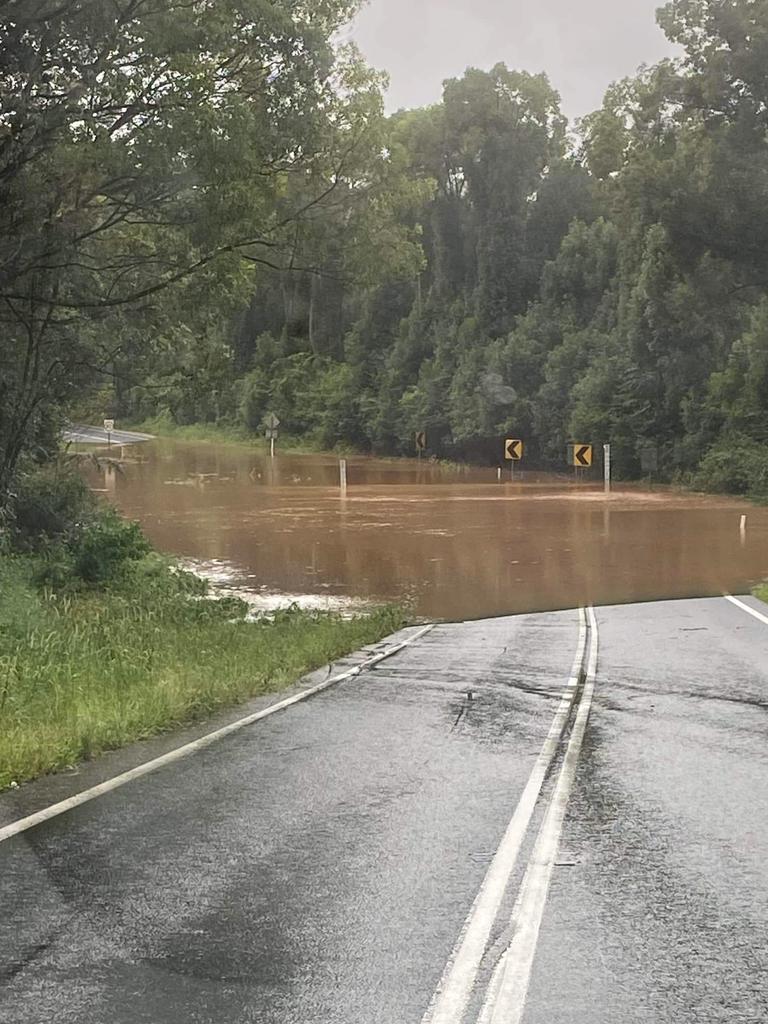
point(343, 475)
point(607, 451)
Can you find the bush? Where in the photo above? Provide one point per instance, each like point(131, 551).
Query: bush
point(104, 550)
point(50, 503)
point(254, 400)
point(735, 466)
point(53, 513)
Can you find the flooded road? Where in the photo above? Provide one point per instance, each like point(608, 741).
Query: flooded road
point(455, 543)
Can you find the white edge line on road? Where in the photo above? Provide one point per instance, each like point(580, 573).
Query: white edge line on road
point(508, 991)
point(454, 991)
point(745, 607)
point(23, 824)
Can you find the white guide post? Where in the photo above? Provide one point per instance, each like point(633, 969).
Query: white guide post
point(608, 468)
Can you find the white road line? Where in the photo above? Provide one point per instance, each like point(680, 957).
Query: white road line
point(190, 748)
point(452, 995)
point(745, 607)
point(508, 991)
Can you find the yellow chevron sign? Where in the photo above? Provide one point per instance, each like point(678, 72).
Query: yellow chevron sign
point(582, 455)
point(513, 451)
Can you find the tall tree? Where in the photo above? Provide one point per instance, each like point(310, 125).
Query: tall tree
point(142, 144)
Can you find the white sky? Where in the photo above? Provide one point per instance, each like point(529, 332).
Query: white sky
point(583, 46)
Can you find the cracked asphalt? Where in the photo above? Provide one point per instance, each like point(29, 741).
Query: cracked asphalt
point(317, 868)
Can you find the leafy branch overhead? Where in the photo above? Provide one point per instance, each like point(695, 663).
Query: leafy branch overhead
point(146, 144)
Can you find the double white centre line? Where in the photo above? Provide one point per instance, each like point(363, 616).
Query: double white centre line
point(507, 993)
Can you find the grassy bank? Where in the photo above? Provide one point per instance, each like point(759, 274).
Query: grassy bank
point(210, 433)
point(89, 671)
point(762, 592)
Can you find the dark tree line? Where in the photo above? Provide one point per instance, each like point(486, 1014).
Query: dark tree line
point(472, 269)
point(155, 156)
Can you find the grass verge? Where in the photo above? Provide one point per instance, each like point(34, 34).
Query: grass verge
point(761, 592)
point(92, 671)
point(210, 433)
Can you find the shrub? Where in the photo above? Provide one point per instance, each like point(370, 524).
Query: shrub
point(735, 466)
point(54, 568)
point(106, 547)
point(254, 400)
point(50, 503)
point(53, 513)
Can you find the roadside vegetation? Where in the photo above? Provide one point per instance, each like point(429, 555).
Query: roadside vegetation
point(476, 269)
point(607, 290)
point(221, 433)
point(103, 642)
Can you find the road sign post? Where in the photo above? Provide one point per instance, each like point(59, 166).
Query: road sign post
point(513, 452)
point(271, 422)
point(607, 467)
point(109, 426)
point(580, 456)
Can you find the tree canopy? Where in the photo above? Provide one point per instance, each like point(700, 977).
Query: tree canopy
point(205, 212)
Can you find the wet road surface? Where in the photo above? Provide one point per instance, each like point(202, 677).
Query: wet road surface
point(80, 434)
point(664, 918)
point(319, 867)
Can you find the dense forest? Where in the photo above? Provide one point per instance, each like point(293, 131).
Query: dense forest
point(206, 215)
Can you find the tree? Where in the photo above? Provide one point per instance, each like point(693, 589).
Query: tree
point(142, 145)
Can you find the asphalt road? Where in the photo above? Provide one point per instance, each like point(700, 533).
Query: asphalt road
point(319, 867)
point(82, 434)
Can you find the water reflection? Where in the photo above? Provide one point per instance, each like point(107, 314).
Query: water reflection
point(454, 541)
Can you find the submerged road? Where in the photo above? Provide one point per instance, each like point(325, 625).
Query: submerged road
point(82, 434)
point(547, 818)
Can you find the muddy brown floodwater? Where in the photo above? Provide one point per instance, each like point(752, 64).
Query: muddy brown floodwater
point(455, 543)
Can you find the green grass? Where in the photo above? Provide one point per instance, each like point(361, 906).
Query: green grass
point(761, 592)
point(211, 433)
point(90, 672)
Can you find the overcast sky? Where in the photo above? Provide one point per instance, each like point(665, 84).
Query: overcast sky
point(583, 45)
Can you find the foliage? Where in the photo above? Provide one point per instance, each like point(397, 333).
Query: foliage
point(471, 269)
point(103, 551)
point(50, 503)
point(735, 466)
point(80, 543)
point(616, 294)
point(154, 160)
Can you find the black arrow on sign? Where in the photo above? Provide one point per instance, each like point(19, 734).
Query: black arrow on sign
point(583, 455)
